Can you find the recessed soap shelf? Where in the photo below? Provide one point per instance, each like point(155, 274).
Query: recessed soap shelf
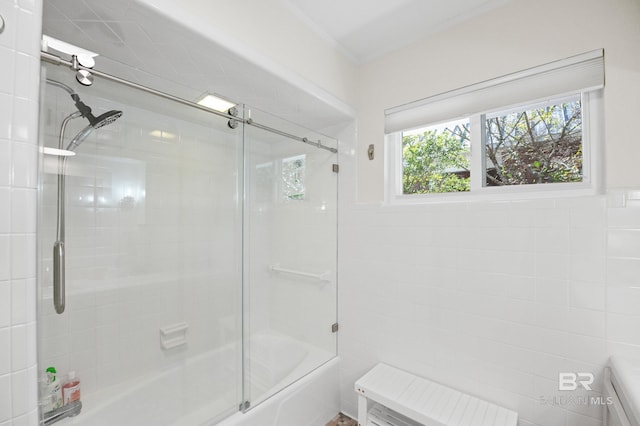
point(173, 335)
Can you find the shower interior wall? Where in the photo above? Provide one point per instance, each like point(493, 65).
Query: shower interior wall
point(153, 239)
point(290, 231)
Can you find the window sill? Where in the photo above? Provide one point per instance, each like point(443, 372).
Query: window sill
point(513, 193)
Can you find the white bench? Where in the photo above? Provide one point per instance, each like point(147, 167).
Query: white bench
point(424, 401)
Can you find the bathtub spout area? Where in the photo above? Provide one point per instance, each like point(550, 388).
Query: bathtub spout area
point(69, 410)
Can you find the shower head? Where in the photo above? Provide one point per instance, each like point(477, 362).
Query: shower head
point(94, 123)
point(84, 111)
point(105, 119)
point(99, 121)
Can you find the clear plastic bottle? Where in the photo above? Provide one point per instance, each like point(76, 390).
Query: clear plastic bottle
point(71, 389)
point(53, 390)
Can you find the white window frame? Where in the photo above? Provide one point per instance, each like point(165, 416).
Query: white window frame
point(592, 143)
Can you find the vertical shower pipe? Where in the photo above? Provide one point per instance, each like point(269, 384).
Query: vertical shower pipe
point(58, 246)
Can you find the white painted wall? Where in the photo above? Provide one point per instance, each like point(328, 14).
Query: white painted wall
point(18, 182)
point(272, 35)
point(511, 38)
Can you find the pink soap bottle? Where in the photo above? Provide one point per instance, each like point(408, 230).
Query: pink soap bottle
point(71, 389)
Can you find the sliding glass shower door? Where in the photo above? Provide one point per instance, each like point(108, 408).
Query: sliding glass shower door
point(290, 248)
point(153, 255)
point(186, 269)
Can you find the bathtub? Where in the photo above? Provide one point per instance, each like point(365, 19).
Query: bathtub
point(312, 400)
point(205, 390)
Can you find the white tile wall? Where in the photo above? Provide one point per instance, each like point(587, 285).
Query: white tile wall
point(623, 273)
point(169, 255)
point(492, 298)
point(18, 147)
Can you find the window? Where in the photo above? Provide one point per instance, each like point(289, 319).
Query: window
point(534, 145)
point(436, 159)
point(293, 170)
point(532, 132)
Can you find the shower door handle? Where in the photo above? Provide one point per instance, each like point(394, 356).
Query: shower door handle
point(58, 276)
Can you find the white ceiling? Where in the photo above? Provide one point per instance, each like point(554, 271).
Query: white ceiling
point(141, 45)
point(367, 29)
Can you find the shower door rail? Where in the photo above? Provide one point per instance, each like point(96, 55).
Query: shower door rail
point(233, 120)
